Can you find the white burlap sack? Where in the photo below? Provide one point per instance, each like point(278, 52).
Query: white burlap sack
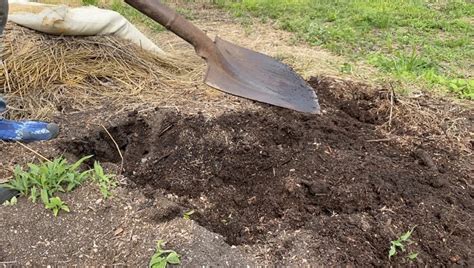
point(79, 21)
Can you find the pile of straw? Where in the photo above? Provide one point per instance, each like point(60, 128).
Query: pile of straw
point(42, 73)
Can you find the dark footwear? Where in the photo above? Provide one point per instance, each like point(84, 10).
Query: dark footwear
point(7, 194)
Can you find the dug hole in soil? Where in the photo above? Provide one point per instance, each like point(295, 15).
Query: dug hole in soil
point(324, 188)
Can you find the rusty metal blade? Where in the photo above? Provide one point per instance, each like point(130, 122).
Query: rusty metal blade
point(249, 74)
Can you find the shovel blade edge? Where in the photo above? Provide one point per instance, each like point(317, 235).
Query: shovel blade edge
point(252, 75)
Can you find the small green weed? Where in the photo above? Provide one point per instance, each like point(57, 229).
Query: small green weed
point(11, 202)
point(162, 257)
point(413, 256)
point(43, 181)
point(106, 181)
point(46, 179)
point(400, 243)
point(56, 204)
point(187, 215)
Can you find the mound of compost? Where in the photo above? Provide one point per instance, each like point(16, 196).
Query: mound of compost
point(330, 184)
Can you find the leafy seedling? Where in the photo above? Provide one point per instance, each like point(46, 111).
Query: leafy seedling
point(106, 181)
point(11, 202)
point(162, 257)
point(400, 243)
point(42, 181)
point(412, 256)
point(49, 177)
point(56, 204)
point(187, 215)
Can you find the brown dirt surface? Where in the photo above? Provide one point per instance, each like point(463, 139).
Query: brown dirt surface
point(114, 232)
point(278, 186)
point(268, 185)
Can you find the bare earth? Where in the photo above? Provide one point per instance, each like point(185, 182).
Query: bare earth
point(268, 186)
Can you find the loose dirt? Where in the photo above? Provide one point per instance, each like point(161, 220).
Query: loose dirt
point(268, 186)
point(291, 188)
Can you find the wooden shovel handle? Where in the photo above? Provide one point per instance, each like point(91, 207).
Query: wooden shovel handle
point(175, 23)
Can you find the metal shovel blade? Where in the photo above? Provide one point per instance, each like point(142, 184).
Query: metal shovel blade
point(236, 70)
point(249, 74)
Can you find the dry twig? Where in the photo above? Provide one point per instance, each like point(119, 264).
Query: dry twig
point(116, 146)
point(33, 151)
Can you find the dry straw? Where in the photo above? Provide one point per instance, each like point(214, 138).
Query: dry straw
point(411, 121)
point(43, 73)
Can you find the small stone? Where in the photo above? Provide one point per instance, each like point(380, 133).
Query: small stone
point(451, 200)
point(455, 258)
point(319, 188)
point(290, 186)
point(313, 209)
point(438, 182)
point(316, 188)
point(98, 201)
point(252, 200)
point(134, 238)
point(364, 225)
point(425, 159)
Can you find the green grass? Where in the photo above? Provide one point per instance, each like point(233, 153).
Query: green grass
point(133, 15)
point(425, 42)
point(90, 2)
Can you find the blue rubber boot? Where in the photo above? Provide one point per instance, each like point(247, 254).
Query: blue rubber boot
point(27, 131)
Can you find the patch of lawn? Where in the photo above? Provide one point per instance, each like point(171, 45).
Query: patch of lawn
point(133, 15)
point(426, 42)
point(130, 13)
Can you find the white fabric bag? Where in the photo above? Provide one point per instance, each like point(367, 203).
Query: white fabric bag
point(81, 21)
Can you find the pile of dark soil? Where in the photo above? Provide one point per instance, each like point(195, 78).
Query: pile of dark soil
point(258, 176)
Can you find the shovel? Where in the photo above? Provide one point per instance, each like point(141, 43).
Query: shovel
point(234, 69)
